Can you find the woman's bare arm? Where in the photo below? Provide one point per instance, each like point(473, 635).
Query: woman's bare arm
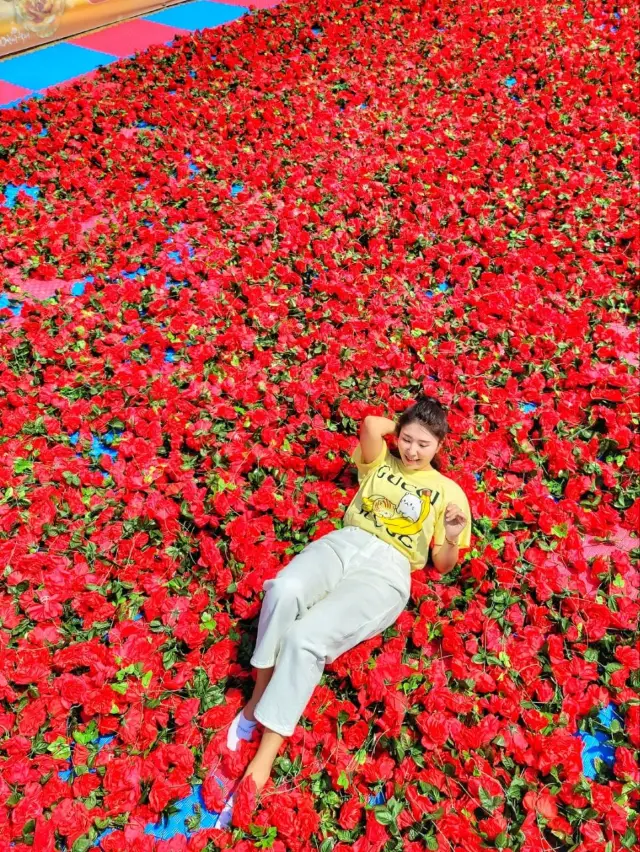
point(372, 432)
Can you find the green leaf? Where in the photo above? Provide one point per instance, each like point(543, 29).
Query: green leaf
point(343, 781)
point(71, 478)
point(146, 679)
point(60, 749)
point(88, 735)
point(489, 803)
point(560, 530)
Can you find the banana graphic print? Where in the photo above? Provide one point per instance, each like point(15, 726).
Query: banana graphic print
point(413, 512)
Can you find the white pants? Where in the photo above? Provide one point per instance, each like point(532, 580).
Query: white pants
point(339, 591)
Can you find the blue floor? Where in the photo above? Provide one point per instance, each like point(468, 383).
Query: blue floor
point(51, 65)
point(198, 15)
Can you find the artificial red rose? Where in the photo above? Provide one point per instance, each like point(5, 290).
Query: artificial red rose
point(284, 818)
point(355, 735)
point(71, 819)
point(44, 835)
point(210, 555)
point(84, 785)
point(546, 806)
point(187, 711)
point(493, 826)
point(308, 818)
point(350, 814)
point(244, 803)
point(160, 794)
point(626, 765)
point(434, 727)
point(218, 717)
point(375, 836)
point(591, 831)
point(32, 718)
point(213, 793)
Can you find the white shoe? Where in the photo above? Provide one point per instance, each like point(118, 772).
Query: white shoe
point(240, 729)
point(224, 818)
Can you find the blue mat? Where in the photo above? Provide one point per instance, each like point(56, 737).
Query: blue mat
point(52, 65)
point(187, 809)
point(102, 446)
point(79, 287)
point(595, 745)
point(198, 15)
point(443, 287)
point(192, 166)
point(14, 306)
point(12, 190)
point(43, 132)
point(99, 446)
point(140, 271)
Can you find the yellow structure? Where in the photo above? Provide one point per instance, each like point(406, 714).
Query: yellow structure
point(25, 24)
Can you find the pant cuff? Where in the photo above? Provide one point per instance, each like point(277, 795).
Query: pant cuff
point(257, 664)
point(278, 729)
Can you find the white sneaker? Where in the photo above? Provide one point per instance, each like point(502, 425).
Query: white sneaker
point(224, 818)
point(240, 729)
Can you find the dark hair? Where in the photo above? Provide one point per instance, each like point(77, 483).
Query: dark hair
point(431, 414)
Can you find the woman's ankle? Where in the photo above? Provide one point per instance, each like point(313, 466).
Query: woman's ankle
point(248, 713)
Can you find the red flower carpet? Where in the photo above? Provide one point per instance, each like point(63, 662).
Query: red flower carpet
point(217, 258)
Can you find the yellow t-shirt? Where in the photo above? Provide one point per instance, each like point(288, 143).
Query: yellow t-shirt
point(405, 508)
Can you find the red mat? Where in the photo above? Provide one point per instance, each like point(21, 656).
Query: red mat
point(128, 38)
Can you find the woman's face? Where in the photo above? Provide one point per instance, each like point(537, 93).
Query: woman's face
point(417, 446)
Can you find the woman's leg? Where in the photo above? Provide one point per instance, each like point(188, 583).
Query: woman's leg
point(259, 769)
point(263, 676)
point(303, 582)
point(369, 599)
point(307, 579)
point(359, 607)
point(262, 763)
point(362, 605)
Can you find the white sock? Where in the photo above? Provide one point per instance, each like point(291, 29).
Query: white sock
point(239, 729)
point(224, 818)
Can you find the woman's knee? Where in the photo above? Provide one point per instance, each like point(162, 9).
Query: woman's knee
point(299, 642)
point(283, 587)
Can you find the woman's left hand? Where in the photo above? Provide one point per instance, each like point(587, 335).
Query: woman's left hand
point(454, 521)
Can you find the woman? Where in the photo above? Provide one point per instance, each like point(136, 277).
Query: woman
point(354, 582)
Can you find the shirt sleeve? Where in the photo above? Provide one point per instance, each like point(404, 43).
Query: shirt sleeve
point(453, 494)
point(364, 469)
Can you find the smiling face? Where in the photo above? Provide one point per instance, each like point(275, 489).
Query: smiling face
point(417, 446)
